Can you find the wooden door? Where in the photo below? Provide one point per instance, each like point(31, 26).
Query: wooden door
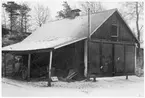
point(107, 60)
point(130, 59)
point(119, 64)
point(94, 58)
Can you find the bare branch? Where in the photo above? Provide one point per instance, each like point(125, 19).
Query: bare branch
point(141, 28)
point(94, 6)
point(134, 10)
point(42, 14)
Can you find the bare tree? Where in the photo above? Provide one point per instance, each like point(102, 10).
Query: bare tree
point(133, 11)
point(4, 18)
point(42, 14)
point(94, 6)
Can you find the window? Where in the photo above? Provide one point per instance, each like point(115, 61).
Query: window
point(114, 30)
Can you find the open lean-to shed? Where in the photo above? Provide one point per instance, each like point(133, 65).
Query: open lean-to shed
point(63, 45)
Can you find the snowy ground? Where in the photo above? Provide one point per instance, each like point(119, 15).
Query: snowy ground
point(104, 87)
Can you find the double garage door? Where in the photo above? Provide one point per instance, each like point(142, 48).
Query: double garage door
point(111, 59)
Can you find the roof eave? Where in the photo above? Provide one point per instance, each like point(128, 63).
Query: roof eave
point(27, 51)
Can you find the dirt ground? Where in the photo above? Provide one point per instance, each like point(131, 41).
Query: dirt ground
point(103, 87)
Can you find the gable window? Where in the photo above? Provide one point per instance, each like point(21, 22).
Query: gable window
point(114, 30)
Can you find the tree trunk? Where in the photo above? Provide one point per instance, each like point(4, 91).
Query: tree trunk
point(137, 20)
point(137, 27)
point(11, 23)
point(22, 24)
point(25, 24)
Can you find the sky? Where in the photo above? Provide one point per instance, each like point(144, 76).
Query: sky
point(56, 5)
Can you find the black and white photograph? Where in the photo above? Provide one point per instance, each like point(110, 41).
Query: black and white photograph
point(72, 48)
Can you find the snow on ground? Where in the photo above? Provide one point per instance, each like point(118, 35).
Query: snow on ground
point(104, 87)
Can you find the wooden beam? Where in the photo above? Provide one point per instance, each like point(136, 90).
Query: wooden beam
point(126, 73)
point(113, 59)
point(112, 42)
point(89, 29)
point(88, 39)
point(29, 65)
point(49, 69)
point(100, 50)
point(27, 51)
point(4, 67)
point(135, 57)
point(86, 47)
point(85, 58)
point(13, 65)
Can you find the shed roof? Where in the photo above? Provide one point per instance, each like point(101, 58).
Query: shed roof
point(60, 33)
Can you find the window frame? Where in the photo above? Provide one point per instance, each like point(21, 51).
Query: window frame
point(117, 30)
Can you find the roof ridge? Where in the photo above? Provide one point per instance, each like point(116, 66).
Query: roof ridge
point(106, 10)
point(84, 15)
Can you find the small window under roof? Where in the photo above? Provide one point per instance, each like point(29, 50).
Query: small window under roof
point(114, 30)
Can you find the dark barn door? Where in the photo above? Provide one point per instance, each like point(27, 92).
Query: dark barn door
point(100, 59)
point(130, 59)
point(107, 61)
point(111, 59)
point(119, 64)
point(94, 58)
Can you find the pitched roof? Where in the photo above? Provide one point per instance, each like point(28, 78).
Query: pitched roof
point(128, 28)
point(60, 33)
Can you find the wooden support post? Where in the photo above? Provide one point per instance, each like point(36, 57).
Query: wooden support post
point(49, 69)
point(135, 57)
point(88, 39)
point(86, 47)
point(113, 59)
point(100, 51)
point(29, 65)
point(85, 58)
point(126, 73)
point(4, 66)
point(13, 65)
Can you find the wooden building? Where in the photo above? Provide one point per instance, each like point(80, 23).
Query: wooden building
point(111, 46)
